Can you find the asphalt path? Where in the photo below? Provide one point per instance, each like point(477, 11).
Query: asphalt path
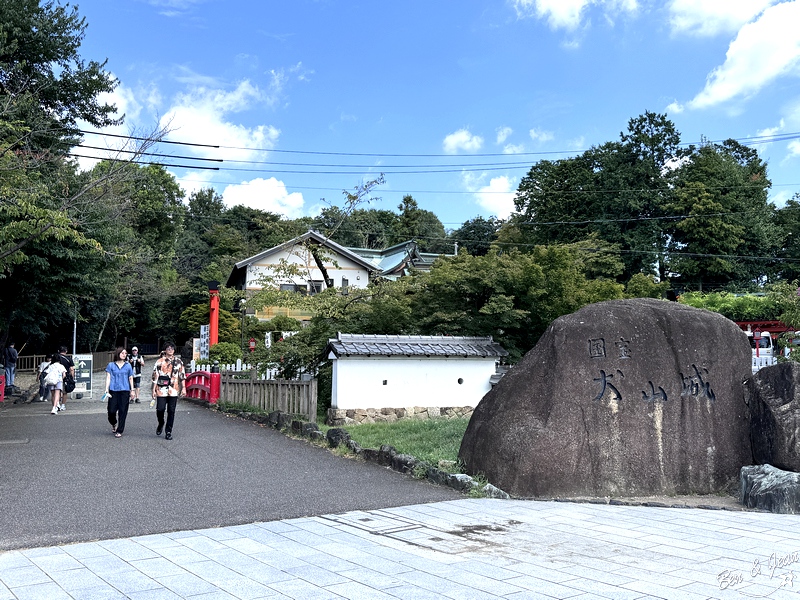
point(65, 478)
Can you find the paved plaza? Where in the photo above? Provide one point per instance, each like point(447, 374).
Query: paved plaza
point(466, 548)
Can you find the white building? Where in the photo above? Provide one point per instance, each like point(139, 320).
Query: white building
point(394, 371)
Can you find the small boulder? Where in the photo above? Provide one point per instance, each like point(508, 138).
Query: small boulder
point(770, 489)
point(773, 394)
point(336, 437)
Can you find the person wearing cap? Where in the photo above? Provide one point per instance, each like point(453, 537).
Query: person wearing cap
point(137, 362)
point(169, 383)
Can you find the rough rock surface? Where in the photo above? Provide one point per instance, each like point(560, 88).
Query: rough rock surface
point(622, 398)
point(773, 394)
point(767, 488)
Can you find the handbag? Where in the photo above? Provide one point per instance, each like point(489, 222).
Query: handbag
point(163, 381)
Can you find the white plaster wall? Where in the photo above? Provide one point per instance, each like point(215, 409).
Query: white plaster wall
point(357, 276)
point(358, 382)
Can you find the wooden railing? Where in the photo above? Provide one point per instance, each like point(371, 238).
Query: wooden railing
point(31, 362)
point(289, 396)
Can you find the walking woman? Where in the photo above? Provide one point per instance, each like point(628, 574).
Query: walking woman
point(119, 386)
point(54, 382)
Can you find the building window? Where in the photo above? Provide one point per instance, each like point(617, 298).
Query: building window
point(315, 287)
point(293, 287)
point(345, 284)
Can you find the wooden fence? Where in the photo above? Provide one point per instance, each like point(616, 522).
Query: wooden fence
point(31, 362)
point(293, 397)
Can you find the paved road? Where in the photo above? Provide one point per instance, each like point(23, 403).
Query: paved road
point(66, 478)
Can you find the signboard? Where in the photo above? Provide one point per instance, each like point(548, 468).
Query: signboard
point(195, 349)
point(205, 341)
point(83, 373)
point(252, 344)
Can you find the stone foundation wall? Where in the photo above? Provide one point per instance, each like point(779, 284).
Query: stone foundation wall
point(337, 417)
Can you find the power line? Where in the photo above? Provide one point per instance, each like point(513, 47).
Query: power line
point(752, 140)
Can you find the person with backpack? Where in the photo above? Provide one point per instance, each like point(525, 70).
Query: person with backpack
point(137, 362)
point(169, 382)
point(54, 382)
point(69, 367)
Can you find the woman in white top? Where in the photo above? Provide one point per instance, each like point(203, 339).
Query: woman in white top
point(54, 380)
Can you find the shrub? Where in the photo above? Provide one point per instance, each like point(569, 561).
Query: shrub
point(225, 352)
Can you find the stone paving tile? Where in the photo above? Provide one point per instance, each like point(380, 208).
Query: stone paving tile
point(19, 576)
point(316, 575)
point(181, 555)
point(597, 589)
point(548, 588)
point(329, 561)
point(157, 594)
point(157, 567)
point(41, 591)
point(127, 549)
point(658, 591)
point(104, 592)
point(86, 550)
point(128, 582)
point(76, 579)
point(302, 590)
point(371, 578)
point(278, 560)
point(357, 591)
point(106, 566)
point(411, 592)
point(14, 560)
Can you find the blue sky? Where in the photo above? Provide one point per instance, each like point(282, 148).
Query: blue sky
point(453, 101)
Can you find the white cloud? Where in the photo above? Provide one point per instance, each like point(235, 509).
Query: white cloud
point(763, 50)
point(513, 149)
point(768, 132)
point(541, 136)
point(675, 108)
point(794, 148)
point(579, 143)
point(503, 134)
point(497, 198)
point(125, 100)
point(712, 17)
point(567, 14)
point(462, 140)
point(265, 194)
point(201, 117)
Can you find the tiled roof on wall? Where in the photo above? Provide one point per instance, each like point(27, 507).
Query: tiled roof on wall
point(351, 344)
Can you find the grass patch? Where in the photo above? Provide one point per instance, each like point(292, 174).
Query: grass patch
point(429, 440)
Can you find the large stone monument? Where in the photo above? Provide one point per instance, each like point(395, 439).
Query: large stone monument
point(622, 398)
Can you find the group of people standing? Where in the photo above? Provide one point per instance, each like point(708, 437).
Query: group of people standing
point(123, 382)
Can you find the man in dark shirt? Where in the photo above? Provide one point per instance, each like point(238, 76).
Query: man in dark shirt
point(10, 362)
point(70, 366)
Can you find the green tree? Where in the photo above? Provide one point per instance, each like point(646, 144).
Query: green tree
point(722, 217)
point(616, 190)
point(477, 235)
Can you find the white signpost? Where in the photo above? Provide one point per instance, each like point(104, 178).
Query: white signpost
point(205, 341)
point(83, 373)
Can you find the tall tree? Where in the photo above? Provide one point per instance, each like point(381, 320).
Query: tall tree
point(476, 235)
point(617, 190)
point(724, 230)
